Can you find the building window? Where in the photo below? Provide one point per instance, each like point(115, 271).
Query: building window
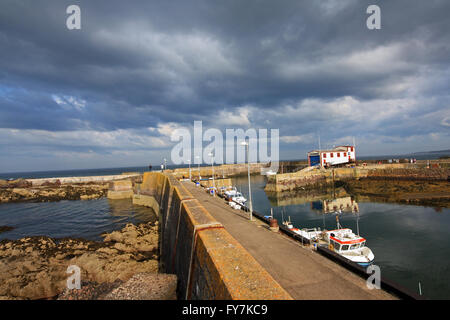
point(331, 155)
point(338, 154)
point(324, 155)
point(345, 154)
point(351, 149)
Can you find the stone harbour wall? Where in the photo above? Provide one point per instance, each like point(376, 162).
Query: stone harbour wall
point(208, 261)
point(323, 178)
point(69, 180)
point(226, 170)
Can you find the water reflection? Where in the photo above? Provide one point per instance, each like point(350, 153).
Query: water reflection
point(340, 205)
point(125, 208)
point(411, 243)
point(288, 198)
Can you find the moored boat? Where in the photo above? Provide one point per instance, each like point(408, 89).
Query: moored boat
point(349, 245)
point(341, 240)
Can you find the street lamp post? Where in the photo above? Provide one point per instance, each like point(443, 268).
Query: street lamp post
point(212, 165)
point(199, 177)
point(190, 176)
point(249, 184)
point(165, 164)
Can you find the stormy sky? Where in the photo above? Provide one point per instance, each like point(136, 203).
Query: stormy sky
point(112, 93)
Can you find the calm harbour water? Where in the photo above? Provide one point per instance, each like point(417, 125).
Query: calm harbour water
point(78, 219)
point(410, 243)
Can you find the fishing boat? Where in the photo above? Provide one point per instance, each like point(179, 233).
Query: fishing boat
point(229, 193)
point(239, 198)
point(341, 240)
point(312, 234)
point(349, 245)
point(232, 194)
point(289, 224)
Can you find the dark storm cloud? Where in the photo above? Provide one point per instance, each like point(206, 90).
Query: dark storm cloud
point(301, 66)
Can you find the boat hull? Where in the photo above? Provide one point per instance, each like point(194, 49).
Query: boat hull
point(365, 264)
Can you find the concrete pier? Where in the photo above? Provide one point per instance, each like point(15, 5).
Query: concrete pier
point(303, 273)
point(208, 261)
point(217, 253)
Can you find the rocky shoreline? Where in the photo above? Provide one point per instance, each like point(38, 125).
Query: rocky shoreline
point(5, 228)
point(35, 267)
point(23, 191)
point(415, 192)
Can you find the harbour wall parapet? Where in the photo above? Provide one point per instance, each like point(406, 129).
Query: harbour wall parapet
point(208, 261)
point(325, 178)
point(227, 170)
point(87, 179)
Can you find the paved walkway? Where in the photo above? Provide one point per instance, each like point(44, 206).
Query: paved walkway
point(302, 272)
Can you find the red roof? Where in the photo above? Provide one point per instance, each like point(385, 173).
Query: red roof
point(348, 242)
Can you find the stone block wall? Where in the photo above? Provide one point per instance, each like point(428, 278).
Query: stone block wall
point(208, 261)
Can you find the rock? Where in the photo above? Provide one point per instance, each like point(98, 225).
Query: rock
point(19, 183)
point(5, 228)
point(35, 267)
point(50, 191)
point(22, 192)
point(89, 196)
point(89, 290)
point(56, 183)
point(146, 286)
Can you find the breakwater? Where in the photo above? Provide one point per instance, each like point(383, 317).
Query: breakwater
point(209, 262)
point(87, 179)
point(312, 179)
point(61, 188)
point(224, 170)
point(319, 178)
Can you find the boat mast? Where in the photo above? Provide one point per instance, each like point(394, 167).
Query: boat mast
point(323, 216)
point(357, 222)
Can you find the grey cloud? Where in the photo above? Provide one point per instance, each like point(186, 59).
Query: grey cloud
point(144, 63)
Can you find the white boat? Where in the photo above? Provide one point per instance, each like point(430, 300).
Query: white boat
point(341, 240)
point(230, 193)
point(289, 224)
point(349, 245)
point(239, 198)
point(312, 234)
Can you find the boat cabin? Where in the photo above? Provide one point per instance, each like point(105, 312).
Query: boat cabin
point(345, 240)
